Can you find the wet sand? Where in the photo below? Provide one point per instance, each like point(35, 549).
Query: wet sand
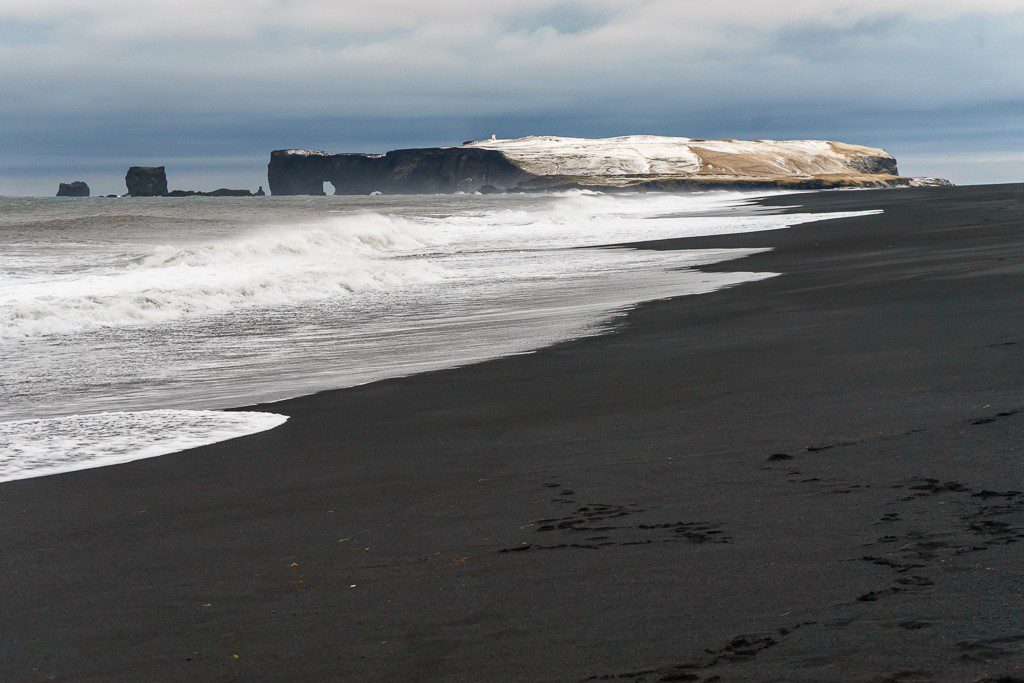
point(812, 477)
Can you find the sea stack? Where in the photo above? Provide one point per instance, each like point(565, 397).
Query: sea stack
point(628, 163)
point(77, 188)
point(146, 181)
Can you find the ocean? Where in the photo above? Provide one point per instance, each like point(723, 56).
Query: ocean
point(127, 324)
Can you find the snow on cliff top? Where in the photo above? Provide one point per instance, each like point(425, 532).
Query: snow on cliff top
point(303, 152)
point(659, 155)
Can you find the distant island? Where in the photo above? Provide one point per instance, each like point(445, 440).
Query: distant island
point(627, 163)
point(539, 163)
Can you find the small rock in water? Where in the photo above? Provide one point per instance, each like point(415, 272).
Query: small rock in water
point(77, 188)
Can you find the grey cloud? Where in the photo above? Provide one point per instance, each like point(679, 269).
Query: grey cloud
point(226, 81)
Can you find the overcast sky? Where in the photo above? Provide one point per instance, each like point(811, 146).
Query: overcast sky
point(209, 87)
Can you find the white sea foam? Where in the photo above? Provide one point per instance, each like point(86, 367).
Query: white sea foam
point(332, 258)
point(282, 266)
point(35, 448)
point(201, 305)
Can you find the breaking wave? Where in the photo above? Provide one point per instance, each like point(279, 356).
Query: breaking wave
point(334, 257)
point(191, 306)
point(283, 266)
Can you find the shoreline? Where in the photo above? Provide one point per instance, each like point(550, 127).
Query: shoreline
point(453, 319)
point(718, 475)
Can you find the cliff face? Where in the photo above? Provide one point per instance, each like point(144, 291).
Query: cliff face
point(634, 162)
point(146, 181)
point(77, 188)
point(404, 171)
point(659, 156)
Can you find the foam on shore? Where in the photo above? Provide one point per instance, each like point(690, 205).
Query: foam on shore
point(35, 448)
point(121, 332)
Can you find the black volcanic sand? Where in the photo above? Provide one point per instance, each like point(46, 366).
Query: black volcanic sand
point(814, 477)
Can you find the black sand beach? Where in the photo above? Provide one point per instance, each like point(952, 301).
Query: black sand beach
point(813, 477)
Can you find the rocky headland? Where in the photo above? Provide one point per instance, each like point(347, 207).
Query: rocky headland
point(627, 163)
point(404, 171)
